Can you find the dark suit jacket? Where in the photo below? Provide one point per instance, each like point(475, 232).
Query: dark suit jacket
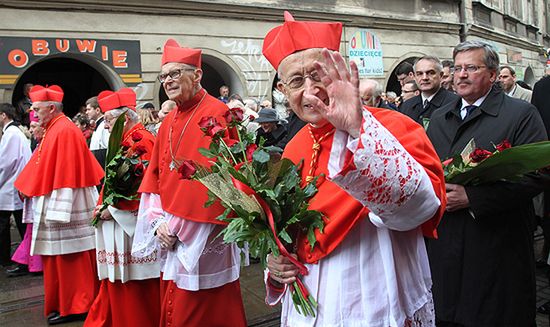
point(414, 107)
point(483, 267)
point(541, 100)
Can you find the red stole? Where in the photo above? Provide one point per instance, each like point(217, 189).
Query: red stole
point(62, 160)
point(342, 210)
point(148, 141)
point(184, 198)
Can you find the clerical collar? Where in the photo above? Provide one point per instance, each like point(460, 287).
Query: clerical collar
point(321, 130)
point(194, 100)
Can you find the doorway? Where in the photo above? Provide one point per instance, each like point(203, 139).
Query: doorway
point(78, 80)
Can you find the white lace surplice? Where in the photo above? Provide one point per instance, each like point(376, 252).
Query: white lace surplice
point(114, 244)
point(62, 221)
point(379, 276)
point(198, 260)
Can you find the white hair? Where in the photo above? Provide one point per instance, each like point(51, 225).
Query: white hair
point(131, 114)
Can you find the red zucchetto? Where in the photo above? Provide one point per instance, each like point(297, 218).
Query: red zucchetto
point(38, 93)
point(294, 36)
point(174, 53)
point(109, 100)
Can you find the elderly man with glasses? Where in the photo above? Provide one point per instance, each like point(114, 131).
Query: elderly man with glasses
point(200, 281)
point(380, 187)
point(483, 262)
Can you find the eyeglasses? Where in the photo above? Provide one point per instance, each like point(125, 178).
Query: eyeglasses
point(173, 74)
point(467, 68)
point(297, 81)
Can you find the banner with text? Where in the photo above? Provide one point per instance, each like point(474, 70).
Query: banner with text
point(19, 53)
point(365, 49)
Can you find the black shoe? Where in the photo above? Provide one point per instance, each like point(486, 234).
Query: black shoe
point(53, 314)
point(544, 309)
point(57, 319)
point(19, 270)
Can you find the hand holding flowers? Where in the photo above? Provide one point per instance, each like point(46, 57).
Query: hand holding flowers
point(265, 200)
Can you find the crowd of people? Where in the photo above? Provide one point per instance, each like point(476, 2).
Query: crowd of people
point(400, 247)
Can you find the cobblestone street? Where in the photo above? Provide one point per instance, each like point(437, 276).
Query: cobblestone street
point(22, 301)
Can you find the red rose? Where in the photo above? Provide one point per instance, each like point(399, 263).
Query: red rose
point(250, 151)
point(206, 122)
point(210, 126)
point(479, 155)
point(503, 145)
point(125, 145)
point(140, 149)
point(215, 130)
point(139, 169)
point(230, 142)
point(187, 169)
point(234, 115)
point(136, 136)
point(251, 118)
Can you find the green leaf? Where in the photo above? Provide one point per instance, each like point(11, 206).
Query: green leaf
point(115, 138)
point(261, 156)
point(508, 164)
point(207, 153)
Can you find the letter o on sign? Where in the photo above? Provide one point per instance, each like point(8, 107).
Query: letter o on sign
point(18, 58)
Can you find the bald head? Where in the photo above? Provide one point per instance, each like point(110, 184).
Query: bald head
point(165, 108)
point(369, 91)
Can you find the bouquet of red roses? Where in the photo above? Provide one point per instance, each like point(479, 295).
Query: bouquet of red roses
point(474, 166)
point(266, 203)
point(124, 169)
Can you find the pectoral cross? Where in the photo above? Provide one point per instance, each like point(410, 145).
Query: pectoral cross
point(172, 166)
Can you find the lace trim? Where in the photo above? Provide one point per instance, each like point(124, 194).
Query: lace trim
point(388, 175)
point(423, 317)
point(124, 259)
point(218, 249)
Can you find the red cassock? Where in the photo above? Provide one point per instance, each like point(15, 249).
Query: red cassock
point(341, 209)
point(63, 160)
point(135, 302)
point(220, 306)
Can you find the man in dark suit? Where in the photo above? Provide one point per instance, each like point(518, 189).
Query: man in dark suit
point(428, 72)
point(483, 262)
point(540, 100)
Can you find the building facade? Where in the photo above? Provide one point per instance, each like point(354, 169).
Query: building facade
point(88, 46)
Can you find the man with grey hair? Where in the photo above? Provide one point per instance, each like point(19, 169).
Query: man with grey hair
point(200, 273)
point(370, 92)
point(507, 78)
point(165, 109)
point(483, 262)
point(61, 179)
point(428, 72)
point(125, 278)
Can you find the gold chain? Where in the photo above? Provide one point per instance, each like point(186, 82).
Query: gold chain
point(174, 164)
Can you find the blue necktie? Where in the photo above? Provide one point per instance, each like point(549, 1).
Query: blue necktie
point(469, 110)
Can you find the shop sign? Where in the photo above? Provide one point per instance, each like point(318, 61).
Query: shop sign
point(19, 53)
